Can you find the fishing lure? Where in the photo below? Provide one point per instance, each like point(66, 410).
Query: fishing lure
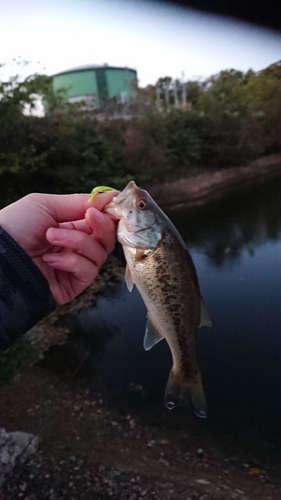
point(98, 190)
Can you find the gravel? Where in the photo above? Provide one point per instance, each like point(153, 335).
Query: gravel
point(37, 478)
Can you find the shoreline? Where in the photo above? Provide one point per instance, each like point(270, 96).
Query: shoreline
point(202, 188)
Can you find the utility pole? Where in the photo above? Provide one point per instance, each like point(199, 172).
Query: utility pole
point(176, 100)
point(158, 100)
point(183, 91)
point(167, 95)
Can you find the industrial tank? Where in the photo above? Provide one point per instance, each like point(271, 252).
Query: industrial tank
point(97, 85)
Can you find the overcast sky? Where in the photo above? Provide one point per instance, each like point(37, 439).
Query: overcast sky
point(154, 38)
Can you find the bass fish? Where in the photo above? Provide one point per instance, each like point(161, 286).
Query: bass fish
point(160, 266)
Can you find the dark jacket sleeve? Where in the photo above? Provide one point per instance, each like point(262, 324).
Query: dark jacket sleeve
point(25, 296)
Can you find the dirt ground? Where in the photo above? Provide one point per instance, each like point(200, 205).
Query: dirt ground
point(91, 449)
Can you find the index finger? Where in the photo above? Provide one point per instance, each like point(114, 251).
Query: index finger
point(71, 207)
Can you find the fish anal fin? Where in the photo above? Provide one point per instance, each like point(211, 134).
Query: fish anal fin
point(181, 391)
point(129, 279)
point(205, 319)
point(151, 336)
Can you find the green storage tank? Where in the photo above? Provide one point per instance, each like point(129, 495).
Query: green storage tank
point(96, 85)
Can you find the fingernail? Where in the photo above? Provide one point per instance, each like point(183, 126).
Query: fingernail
point(56, 235)
point(49, 258)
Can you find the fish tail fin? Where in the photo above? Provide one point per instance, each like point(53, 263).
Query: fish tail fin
point(189, 391)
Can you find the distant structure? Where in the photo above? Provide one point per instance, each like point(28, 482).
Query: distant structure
point(97, 86)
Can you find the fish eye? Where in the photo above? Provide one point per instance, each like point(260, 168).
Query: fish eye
point(141, 204)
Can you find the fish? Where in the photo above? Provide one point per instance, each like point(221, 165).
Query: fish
point(160, 265)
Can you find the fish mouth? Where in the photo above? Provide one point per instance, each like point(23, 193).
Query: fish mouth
point(116, 206)
point(113, 209)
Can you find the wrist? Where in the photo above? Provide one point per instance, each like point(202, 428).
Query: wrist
point(25, 296)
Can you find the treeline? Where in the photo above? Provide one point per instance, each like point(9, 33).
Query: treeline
point(229, 119)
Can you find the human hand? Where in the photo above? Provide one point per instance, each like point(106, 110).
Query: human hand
point(66, 237)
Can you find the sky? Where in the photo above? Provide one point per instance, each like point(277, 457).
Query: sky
point(153, 37)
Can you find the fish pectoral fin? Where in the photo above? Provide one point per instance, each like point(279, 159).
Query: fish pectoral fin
point(151, 336)
point(205, 319)
point(129, 279)
point(142, 253)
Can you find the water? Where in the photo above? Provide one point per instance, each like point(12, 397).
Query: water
point(236, 247)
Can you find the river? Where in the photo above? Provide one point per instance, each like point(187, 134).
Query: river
point(236, 247)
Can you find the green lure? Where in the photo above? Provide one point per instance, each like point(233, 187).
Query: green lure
point(98, 190)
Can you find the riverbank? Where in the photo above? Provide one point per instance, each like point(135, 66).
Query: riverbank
point(209, 186)
point(92, 449)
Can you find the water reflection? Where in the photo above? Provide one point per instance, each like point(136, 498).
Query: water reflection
point(224, 228)
point(236, 247)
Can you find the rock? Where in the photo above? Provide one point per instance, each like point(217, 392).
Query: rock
point(14, 446)
point(25, 442)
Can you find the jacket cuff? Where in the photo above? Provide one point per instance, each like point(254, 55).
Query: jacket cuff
point(25, 296)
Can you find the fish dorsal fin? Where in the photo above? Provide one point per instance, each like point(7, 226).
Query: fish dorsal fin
point(205, 319)
point(129, 279)
point(152, 336)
